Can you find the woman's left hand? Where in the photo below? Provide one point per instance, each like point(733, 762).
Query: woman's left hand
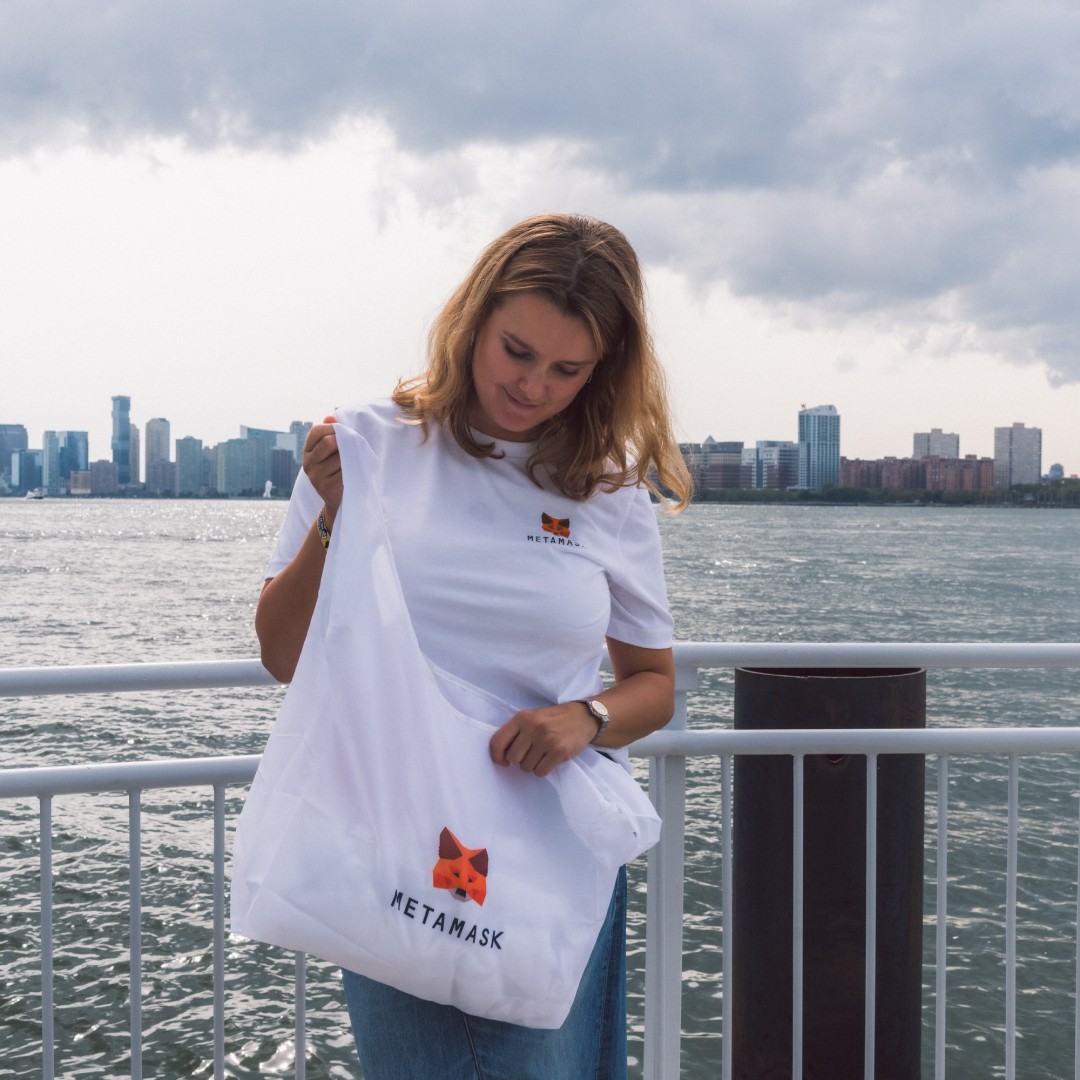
point(642, 700)
point(536, 740)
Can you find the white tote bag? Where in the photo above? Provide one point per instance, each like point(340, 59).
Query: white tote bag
point(379, 835)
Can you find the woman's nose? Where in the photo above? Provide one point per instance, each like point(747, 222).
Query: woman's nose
point(531, 383)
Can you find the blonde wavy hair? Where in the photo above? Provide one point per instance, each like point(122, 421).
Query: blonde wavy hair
point(617, 431)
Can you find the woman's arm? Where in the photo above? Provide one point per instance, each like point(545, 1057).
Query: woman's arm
point(642, 700)
point(288, 600)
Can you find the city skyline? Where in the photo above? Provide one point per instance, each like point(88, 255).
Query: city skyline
point(873, 428)
point(162, 447)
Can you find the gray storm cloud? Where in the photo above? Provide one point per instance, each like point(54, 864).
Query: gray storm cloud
point(912, 156)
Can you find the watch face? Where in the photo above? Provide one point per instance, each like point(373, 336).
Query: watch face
point(598, 709)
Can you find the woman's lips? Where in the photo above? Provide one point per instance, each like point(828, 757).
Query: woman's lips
point(526, 405)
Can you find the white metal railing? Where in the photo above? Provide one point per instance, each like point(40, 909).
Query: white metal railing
point(667, 752)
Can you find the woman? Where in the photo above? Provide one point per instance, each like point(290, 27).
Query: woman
point(515, 478)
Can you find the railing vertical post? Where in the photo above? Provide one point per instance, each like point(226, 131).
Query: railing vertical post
point(1076, 998)
point(798, 887)
point(219, 931)
point(135, 928)
point(48, 1062)
point(726, 772)
point(870, 984)
point(664, 910)
point(942, 928)
point(1010, 919)
point(300, 1032)
point(941, 934)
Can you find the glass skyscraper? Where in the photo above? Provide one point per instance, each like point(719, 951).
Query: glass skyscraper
point(121, 438)
point(819, 447)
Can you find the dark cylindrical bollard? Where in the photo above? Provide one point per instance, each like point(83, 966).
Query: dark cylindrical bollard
point(834, 879)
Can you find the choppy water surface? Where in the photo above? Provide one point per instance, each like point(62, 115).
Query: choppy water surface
point(120, 582)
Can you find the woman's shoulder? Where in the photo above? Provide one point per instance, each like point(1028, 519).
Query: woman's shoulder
point(622, 507)
point(381, 422)
point(370, 415)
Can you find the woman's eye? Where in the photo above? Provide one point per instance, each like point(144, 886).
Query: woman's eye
point(517, 354)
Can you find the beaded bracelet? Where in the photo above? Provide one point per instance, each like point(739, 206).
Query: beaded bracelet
point(324, 532)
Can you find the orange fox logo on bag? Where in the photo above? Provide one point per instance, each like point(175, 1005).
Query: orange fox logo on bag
point(460, 869)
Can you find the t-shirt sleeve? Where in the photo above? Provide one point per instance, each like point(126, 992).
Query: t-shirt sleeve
point(639, 607)
point(303, 509)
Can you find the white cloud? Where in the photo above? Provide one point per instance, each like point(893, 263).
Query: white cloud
point(903, 174)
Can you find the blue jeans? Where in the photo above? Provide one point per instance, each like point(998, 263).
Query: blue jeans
point(401, 1037)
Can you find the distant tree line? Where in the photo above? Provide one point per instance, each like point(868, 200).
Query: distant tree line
point(1063, 494)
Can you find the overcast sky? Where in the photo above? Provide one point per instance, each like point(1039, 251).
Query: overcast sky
point(248, 212)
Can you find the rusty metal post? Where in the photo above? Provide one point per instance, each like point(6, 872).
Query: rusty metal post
point(834, 889)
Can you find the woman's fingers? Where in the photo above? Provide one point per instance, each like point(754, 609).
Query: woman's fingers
point(322, 463)
point(536, 740)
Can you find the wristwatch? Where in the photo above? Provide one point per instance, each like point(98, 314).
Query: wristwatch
point(598, 711)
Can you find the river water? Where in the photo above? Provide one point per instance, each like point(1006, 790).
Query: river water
point(128, 581)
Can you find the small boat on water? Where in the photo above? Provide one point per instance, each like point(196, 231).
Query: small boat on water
point(35, 493)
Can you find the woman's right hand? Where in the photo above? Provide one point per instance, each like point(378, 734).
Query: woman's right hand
point(322, 463)
point(287, 601)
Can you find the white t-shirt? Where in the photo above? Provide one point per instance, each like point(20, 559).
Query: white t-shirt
point(509, 586)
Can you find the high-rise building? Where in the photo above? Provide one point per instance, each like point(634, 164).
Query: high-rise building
point(1017, 455)
point(26, 470)
point(74, 452)
point(13, 437)
point(721, 464)
point(241, 466)
point(714, 465)
point(50, 463)
point(263, 444)
point(819, 447)
point(103, 478)
point(189, 466)
point(160, 472)
point(133, 439)
point(157, 441)
point(121, 438)
point(771, 464)
point(937, 443)
point(299, 430)
point(62, 453)
point(283, 470)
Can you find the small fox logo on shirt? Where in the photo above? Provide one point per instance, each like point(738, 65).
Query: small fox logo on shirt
point(558, 526)
point(460, 869)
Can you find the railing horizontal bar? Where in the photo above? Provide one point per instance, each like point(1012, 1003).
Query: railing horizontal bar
point(126, 776)
point(709, 654)
point(127, 678)
point(183, 772)
point(1004, 740)
point(199, 674)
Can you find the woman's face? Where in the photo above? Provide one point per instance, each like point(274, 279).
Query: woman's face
point(529, 362)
